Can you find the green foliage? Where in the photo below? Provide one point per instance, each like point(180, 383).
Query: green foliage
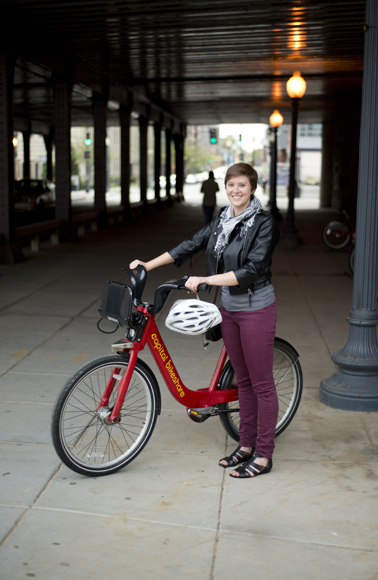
point(197, 157)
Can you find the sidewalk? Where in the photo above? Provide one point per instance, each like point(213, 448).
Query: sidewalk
point(173, 513)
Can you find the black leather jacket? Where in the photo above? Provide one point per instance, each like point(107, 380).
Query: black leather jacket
point(249, 257)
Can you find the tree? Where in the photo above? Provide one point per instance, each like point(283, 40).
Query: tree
point(199, 158)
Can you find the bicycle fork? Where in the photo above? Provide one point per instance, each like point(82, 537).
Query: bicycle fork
point(111, 416)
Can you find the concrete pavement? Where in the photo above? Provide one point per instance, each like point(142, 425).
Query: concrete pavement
point(173, 513)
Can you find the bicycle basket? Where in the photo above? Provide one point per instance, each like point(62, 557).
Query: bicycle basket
point(116, 302)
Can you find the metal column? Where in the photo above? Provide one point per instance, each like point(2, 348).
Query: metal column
point(354, 386)
point(99, 121)
point(63, 93)
point(143, 126)
point(157, 161)
point(124, 116)
point(168, 163)
point(273, 176)
point(9, 253)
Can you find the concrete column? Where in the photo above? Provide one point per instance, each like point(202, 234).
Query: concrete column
point(124, 116)
point(26, 138)
point(179, 154)
point(346, 142)
point(157, 161)
point(143, 126)
point(48, 139)
point(354, 386)
point(168, 163)
point(63, 93)
point(99, 122)
point(326, 180)
point(9, 253)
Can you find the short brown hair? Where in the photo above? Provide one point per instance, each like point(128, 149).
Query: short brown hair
point(242, 169)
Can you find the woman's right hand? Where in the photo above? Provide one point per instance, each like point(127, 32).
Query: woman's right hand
point(136, 263)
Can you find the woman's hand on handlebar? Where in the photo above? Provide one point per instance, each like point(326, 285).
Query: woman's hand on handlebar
point(136, 263)
point(193, 282)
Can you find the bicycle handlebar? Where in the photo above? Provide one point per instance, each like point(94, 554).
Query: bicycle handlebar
point(162, 291)
point(138, 278)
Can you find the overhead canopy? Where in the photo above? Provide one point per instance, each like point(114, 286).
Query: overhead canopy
point(202, 62)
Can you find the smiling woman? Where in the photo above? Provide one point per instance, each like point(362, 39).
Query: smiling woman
point(239, 245)
point(240, 188)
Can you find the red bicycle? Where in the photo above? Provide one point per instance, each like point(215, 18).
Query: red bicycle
point(106, 412)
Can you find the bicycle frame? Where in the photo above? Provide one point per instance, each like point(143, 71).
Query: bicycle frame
point(199, 398)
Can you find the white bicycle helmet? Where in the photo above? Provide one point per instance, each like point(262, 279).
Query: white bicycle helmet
point(192, 316)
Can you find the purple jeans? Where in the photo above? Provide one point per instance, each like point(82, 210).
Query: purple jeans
point(249, 341)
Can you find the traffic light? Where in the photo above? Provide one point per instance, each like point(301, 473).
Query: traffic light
point(213, 136)
point(88, 140)
point(240, 140)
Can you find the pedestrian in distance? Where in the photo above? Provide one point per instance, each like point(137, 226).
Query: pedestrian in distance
point(209, 188)
point(239, 245)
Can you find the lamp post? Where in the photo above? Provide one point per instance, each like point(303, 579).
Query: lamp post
point(275, 120)
point(296, 88)
point(354, 385)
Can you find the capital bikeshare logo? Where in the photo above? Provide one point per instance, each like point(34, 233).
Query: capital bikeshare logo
point(168, 365)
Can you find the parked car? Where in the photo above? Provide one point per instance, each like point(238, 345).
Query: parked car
point(33, 194)
point(191, 178)
point(163, 181)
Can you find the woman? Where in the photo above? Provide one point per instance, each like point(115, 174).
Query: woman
point(240, 243)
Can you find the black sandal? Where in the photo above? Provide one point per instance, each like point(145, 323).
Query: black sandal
point(237, 457)
point(244, 470)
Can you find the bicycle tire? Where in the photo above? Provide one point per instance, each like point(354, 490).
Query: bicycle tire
point(336, 235)
point(351, 260)
point(81, 439)
point(287, 373)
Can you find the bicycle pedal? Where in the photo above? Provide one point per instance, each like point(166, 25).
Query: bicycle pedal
point(200, 415)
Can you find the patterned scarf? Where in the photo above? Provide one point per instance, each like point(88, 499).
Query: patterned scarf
point(228, 222)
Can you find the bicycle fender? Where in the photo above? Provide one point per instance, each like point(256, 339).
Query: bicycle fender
point(145, 366)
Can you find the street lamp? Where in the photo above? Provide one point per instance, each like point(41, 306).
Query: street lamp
point(275, 120)
point(296, 88)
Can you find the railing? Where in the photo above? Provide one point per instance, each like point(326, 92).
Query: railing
point(80, 223)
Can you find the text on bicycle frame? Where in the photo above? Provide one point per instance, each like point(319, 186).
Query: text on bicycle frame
point(168, 365)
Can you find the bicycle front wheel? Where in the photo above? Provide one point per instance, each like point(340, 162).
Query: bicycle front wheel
point(287, 373)
point(84, 438)
point(336, 235)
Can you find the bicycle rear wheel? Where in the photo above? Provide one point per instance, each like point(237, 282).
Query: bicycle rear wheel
point(336, 235)
point(287, 373)
point(351, 260)
point(83, 438)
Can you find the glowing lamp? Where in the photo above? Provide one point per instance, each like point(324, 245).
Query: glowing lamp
point(14, 141)
point(296, 86)
point(276, 119)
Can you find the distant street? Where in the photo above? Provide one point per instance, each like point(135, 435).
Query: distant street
point(82, 201)
point(309, 198)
